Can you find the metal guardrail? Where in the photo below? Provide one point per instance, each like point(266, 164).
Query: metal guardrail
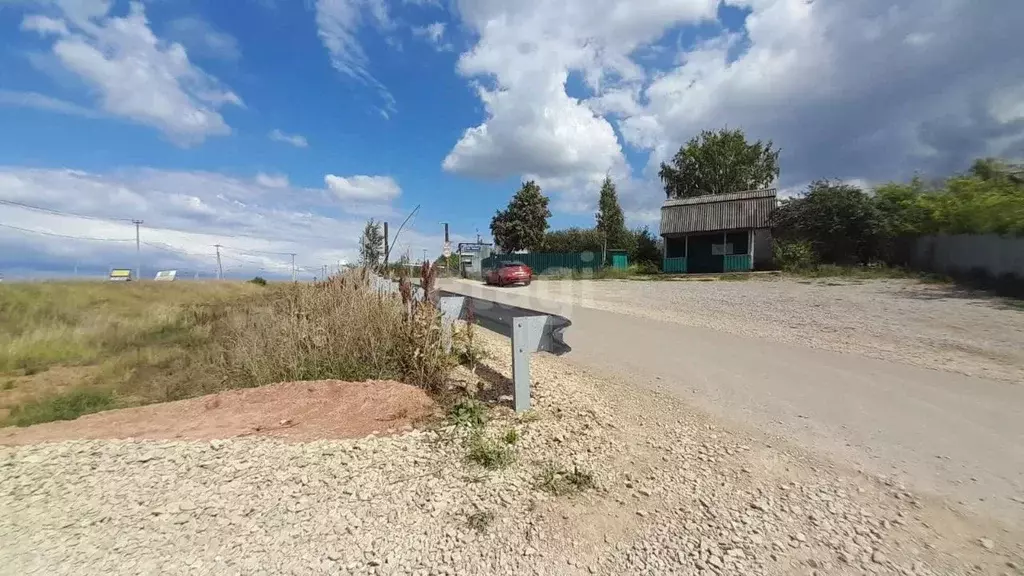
point(531, 331)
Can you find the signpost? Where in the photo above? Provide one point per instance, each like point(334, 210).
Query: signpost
point(166, 275)
point(121, 275)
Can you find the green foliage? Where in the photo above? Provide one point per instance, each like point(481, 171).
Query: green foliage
point(371, 244)
point(611, 223)
point(841, 222)
point(259, 281)
point(645, 249)
point(794, 255)
point(521, 226)
point(558, 481)
point(511, 436)
point(489, 453)
point(573, 240)
point(66, 406)
point(468, 413)
point(719, 163)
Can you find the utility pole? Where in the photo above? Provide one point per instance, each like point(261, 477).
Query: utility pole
point(138, 251)
point(424, 255)
point(293, 267)
point(387, 247)
point(220, 269)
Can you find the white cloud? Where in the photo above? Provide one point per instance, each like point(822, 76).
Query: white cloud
point(44, 25)
point(527, 50)
point(297, 140)
point(272, 180)
point(185, 214)
point(434, 33)
point(363, 189)
point(202, 39)
point(43, 102)
point(852, 90)
point(338, 23)
point(134, 74)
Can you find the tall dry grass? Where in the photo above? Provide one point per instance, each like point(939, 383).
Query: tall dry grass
point(153, 342)
point(338, 329)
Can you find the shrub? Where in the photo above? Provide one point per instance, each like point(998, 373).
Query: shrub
point(259, 281)
point(66, 406)
point(794, 255)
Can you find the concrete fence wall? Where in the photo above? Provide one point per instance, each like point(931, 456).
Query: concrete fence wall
point(997, 256)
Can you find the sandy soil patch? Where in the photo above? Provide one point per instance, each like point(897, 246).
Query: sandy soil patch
point(298, 411)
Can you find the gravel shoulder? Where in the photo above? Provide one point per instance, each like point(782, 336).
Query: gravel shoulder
point(676, 494)
point(929, 325)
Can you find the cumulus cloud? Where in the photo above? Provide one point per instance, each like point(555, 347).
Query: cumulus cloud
point(134, 74)
point(185, 214)
point(852, 90)
point(296, 140)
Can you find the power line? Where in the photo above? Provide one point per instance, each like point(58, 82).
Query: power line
point(55, 235)
point(61, 213)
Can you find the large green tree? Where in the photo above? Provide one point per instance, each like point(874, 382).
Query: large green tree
point(521, 226)
point(719, 163)
point(611, 223)
point(371, 244)
point(842, 223)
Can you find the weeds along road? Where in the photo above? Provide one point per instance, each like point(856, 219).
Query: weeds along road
point(957, 436)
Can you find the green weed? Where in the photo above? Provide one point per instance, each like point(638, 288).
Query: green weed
point(66, 406)
point(561, 482)
point(488, 453)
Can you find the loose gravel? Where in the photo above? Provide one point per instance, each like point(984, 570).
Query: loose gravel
point(928, 325)
point(676, 494)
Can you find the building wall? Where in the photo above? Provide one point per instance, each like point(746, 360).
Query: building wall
point(763, 249)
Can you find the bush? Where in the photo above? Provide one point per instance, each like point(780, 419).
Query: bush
point(66, 406)
point(647, 268)
point(794, 255)
point(259, 281)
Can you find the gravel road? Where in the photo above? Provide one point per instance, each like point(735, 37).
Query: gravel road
point(676, 494)
point(928, 325)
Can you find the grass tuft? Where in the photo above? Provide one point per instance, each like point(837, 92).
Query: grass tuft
point(488, 453)
point(558, 481)
point(66, 406)
point(511, 436)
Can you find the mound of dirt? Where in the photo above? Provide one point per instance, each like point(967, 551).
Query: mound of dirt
point(299, 411)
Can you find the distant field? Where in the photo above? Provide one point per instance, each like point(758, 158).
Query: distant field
point(71, 348)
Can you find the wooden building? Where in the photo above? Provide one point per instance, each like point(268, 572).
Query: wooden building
point(718, 232)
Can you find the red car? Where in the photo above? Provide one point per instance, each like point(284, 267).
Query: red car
point(508, 273)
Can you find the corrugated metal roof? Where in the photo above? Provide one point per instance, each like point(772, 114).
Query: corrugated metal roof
point(734, 211)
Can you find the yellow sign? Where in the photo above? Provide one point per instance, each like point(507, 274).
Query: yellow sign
point(121, 274)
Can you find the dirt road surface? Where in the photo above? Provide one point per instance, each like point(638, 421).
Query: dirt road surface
point(949, 434)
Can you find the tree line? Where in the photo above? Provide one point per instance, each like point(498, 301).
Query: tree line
point(523, 225)
point(831, 222)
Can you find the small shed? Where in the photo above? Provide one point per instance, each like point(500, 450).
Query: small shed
point(718, 232)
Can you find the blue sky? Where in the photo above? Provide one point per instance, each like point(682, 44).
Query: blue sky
point(274, 127)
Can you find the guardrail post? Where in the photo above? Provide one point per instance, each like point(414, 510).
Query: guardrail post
point(527, 332)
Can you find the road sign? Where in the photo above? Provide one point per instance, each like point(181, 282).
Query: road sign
point(121, 275)
point(447, 249)
point(166, 275)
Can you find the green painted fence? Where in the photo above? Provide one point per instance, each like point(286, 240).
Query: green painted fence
point(738, 263)
point(549, 263)
point(674, 266)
